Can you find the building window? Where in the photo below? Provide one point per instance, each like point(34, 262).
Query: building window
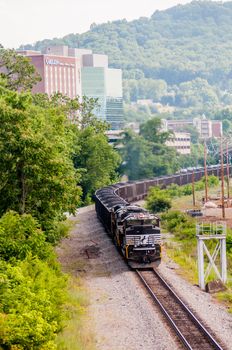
point(56, 81)
point(65, 84)
point(73, 83)
point(51, 80)
point(60, 79)
point(46, 80)
point(69, 83)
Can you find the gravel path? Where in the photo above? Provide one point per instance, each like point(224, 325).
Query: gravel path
point(122, 313)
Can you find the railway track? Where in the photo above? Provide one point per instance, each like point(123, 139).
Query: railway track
point(191, 332)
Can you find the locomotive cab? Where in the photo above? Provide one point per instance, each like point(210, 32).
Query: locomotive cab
point(140, 234)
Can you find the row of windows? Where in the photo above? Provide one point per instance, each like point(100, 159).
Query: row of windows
point(60, 79)
point(182, 147)
point(182, 139)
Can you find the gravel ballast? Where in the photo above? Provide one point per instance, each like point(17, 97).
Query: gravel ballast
point(122, 313)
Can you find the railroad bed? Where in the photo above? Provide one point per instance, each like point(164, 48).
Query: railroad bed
point(189, 329)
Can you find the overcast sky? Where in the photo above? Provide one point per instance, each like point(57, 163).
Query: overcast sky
point(27, 21)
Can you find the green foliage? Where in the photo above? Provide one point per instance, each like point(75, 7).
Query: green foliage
point(17, 71)
point(138, 88)
point(95, 158)
point(21, 236)
point(183, 227)
point(157, 200)
point(37, 173)
point(40, 137)
point(146, 155)
point(212, 181)
point(196, 158)
point(31, 310)
point(173, 219)
point(229, 243)
point(150, 130)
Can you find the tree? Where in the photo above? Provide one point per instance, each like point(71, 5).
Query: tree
point(17, 71)
point(95, 158)
point(146, 155)
point(151, 131)
point(36, 146)
point(138, 158)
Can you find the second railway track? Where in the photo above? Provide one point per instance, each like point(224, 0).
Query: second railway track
point(189, 329)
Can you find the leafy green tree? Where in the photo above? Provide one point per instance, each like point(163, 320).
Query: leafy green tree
point(138, 158)
point(151, 131)
point(196, 92)
point(17, 71)
point(146, 155)
point(36, 145)
point(96, 158)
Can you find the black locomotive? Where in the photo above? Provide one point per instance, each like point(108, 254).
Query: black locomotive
point(133, 229)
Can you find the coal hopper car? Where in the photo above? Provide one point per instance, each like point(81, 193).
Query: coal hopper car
point(133, 229)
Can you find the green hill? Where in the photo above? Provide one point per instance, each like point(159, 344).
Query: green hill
point(186, 43)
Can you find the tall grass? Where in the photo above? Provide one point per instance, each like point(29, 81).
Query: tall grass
point(77, 334)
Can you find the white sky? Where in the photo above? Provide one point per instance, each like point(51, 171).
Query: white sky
point(27, 21)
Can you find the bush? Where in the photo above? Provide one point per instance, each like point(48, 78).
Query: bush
point(212, 181)
point(20, 236)
point(158, 200)
point(174, 190)
point(31, 313)
point(173, 219)
point(187, 190)
point(57, 230)
point(180, 224)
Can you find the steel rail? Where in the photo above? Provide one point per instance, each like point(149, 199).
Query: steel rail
point(187, 311)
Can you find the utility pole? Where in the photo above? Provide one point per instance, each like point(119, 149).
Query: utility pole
point(206, 175)
point(228, 173)
point(222, 183)
point(193, 188)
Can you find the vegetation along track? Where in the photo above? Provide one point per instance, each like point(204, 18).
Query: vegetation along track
point(191, 332)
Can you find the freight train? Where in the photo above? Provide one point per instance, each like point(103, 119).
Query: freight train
point(134, 230)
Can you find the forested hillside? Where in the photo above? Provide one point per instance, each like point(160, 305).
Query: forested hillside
point(175, 56)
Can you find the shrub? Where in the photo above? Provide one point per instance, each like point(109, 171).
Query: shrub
point(31, 313)
point(158, 200)
point(173, 219)
point(212, 180)
point(187, 190)
point(174, 190)
point(20, 235)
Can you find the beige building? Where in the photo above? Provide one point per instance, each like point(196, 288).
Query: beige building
point(207, 128)
point(181, 141)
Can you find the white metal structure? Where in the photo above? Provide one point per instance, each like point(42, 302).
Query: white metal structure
point(206, 232)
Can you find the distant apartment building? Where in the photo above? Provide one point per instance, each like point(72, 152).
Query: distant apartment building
point(78, 72)
point(175, 125)
point(181, 141)
point(207, 128)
